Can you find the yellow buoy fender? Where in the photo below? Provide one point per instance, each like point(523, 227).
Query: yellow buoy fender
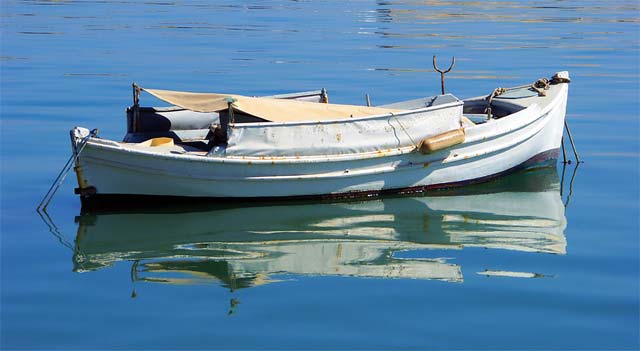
point(441, 141)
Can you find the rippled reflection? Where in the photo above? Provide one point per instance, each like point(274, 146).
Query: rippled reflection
point(247, 245)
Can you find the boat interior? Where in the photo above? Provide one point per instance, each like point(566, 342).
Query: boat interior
point(179, 130)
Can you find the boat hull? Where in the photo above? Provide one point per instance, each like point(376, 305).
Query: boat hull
point(116, 201)
point(527, 138)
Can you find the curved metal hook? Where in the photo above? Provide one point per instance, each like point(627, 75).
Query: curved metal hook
point(435, 65)
point(442, 73)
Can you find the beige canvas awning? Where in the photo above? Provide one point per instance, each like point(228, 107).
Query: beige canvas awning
point(275, 110)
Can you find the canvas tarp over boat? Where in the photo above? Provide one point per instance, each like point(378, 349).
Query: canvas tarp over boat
point(274, 110)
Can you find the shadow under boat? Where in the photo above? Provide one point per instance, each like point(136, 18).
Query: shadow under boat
point(243, 246)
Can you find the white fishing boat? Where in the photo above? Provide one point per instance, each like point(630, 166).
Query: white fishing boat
point(299, 145)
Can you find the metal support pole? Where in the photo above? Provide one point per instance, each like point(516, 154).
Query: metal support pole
point(324, 96)
point(368, 101)
point(573, 145)
point(225, 121)
point(136, 107)
point(232, 118)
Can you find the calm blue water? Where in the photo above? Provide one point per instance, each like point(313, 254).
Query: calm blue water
point(502, 265)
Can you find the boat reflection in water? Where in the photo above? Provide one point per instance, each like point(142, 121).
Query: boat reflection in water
point(247, 245)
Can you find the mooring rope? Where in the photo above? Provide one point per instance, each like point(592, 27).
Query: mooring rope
point(405, 132)
point(65, 170)
point(539, 86)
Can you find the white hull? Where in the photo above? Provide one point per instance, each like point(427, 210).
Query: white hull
point(490, 149)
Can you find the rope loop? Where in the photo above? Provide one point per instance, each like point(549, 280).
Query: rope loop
point(496, 92)
point(540, 86)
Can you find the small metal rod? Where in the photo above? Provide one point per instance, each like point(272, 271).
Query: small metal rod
point(232, 118)
point(564, 153)
point(324, 96)
point(136, 94)
point(136, 107)
point(573, 145)
point(442, 73)
point(366, 96)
